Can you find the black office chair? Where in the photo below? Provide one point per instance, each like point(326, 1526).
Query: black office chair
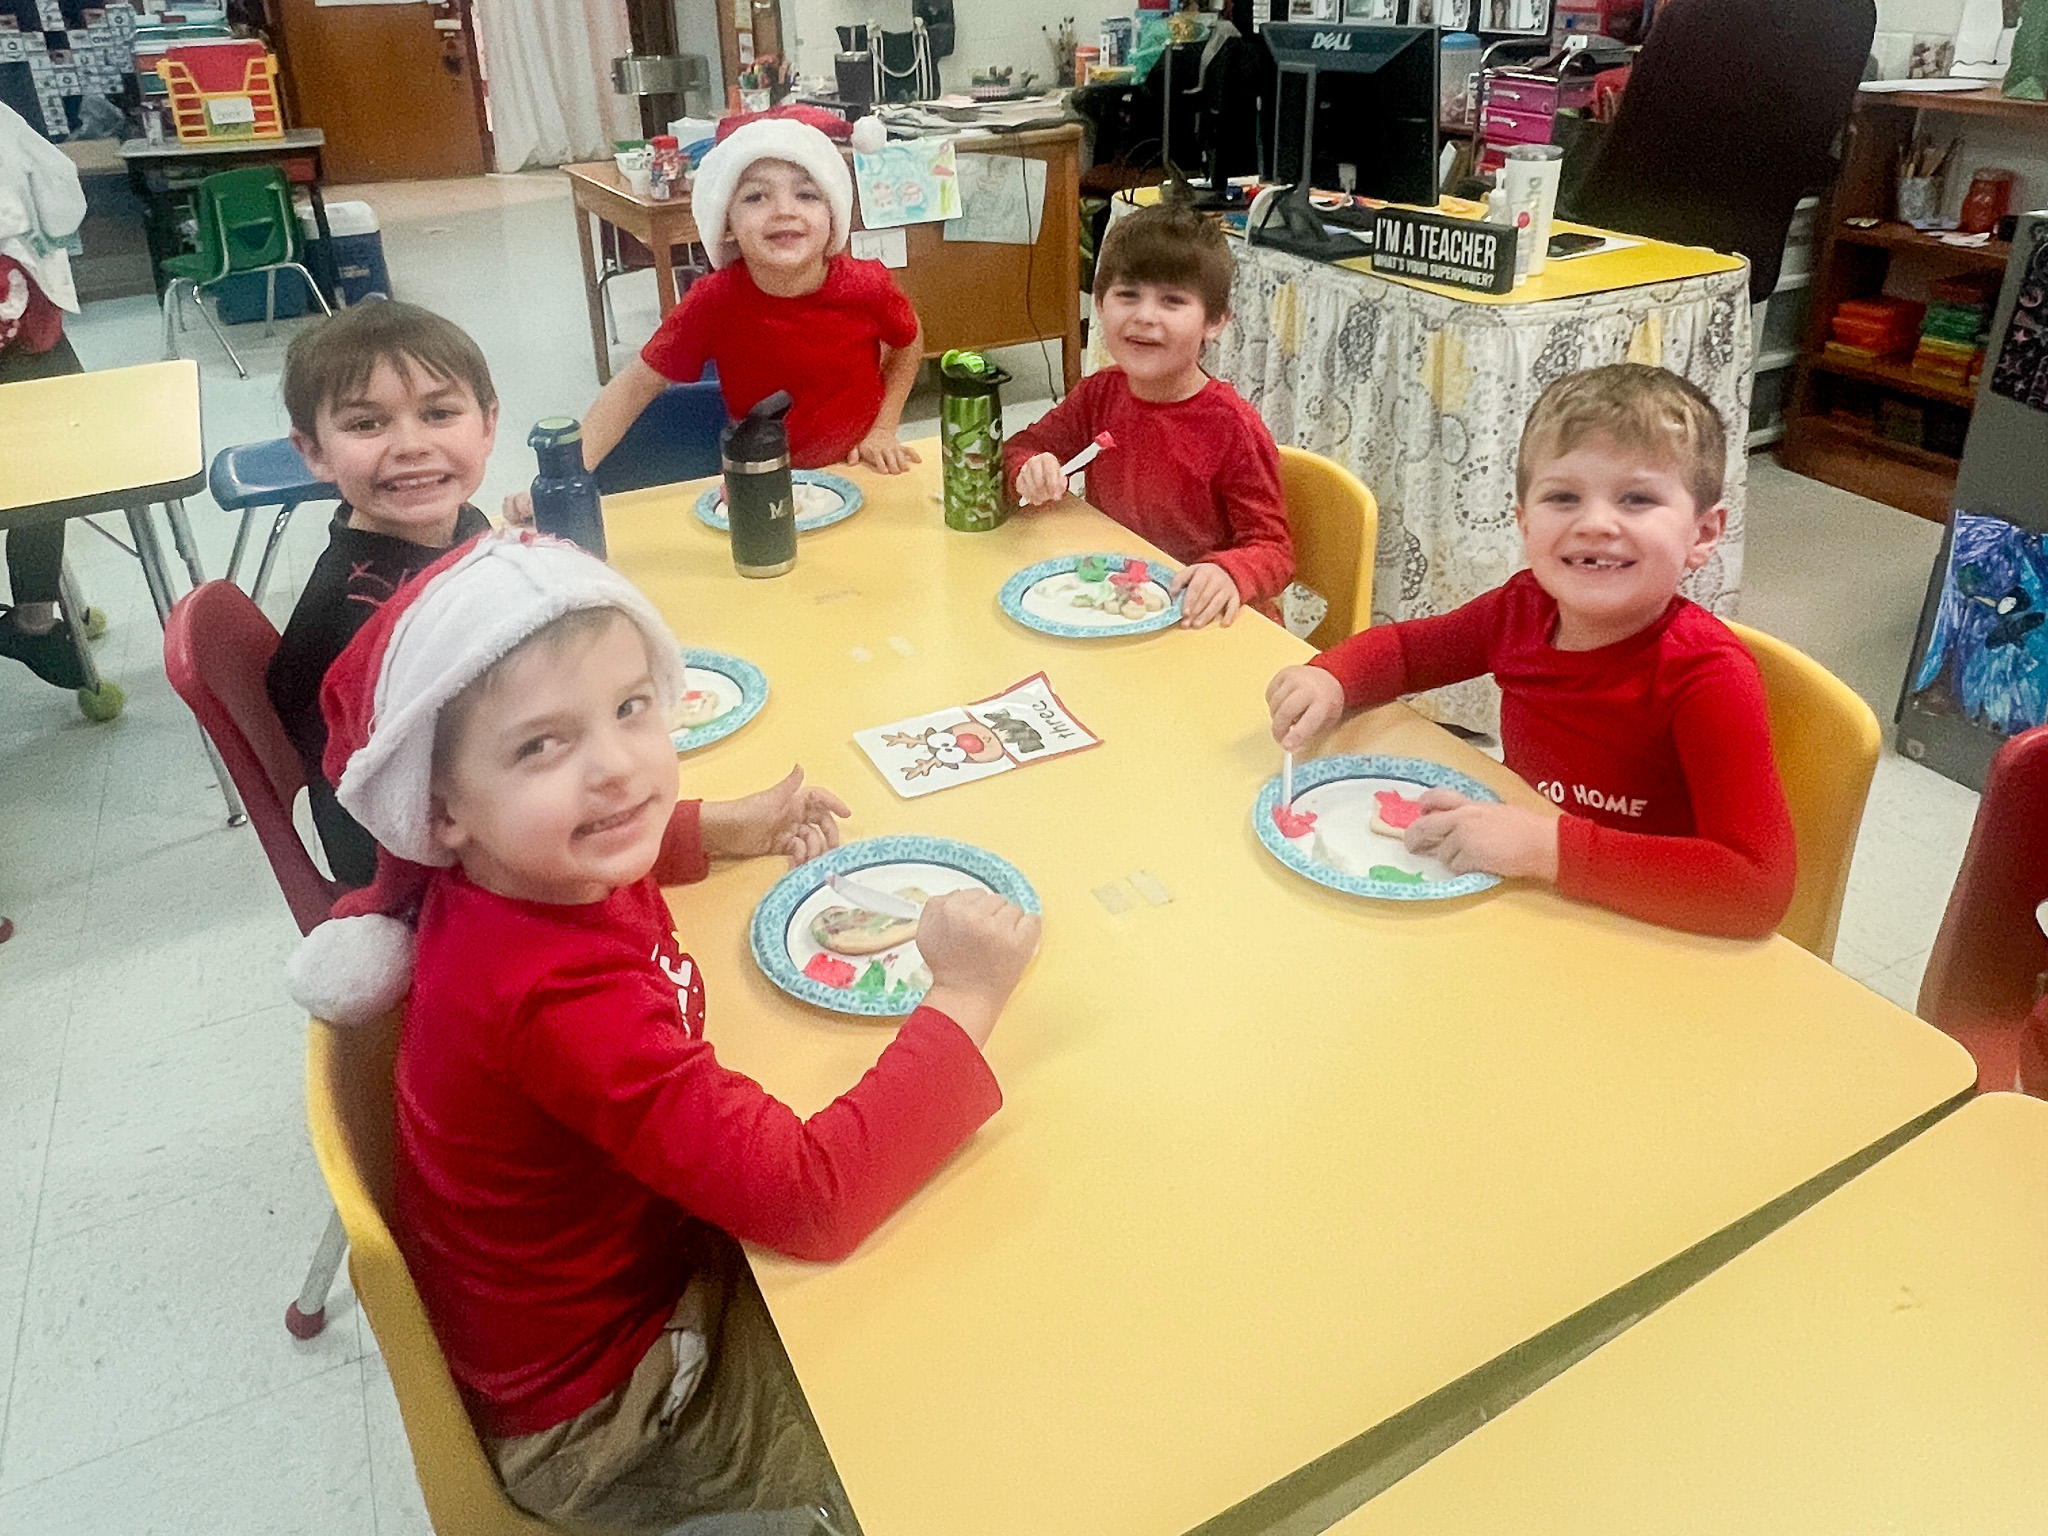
point(1730, 117)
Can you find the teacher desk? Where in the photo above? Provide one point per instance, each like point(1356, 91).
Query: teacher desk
point(1274, 1164)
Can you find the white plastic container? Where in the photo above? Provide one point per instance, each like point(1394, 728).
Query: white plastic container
point(1458, 78)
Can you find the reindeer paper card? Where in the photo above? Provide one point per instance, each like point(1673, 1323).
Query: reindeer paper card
point(1024, 724)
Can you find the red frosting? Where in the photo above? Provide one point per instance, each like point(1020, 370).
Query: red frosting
point(1293, 823)
point(1396, 809)
point(830, 969)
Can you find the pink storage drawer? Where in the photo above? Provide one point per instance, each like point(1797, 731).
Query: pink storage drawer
point(1522, 93)
point(1500, 127)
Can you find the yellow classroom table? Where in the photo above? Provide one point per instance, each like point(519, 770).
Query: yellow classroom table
point(1273, 1163)
point(111, 439)
point(1878, 1364)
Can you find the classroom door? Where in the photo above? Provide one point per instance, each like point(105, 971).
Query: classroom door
point(392, 85)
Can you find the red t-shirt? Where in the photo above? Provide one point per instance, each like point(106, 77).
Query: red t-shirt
point(1658, 747)
point(1200, 478)
point(559, 1112)
point(825, 348)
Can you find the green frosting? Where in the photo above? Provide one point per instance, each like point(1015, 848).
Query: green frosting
point(1394, 876)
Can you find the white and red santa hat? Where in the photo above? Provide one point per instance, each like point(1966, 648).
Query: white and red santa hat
point(767, 138)
point(382, 697)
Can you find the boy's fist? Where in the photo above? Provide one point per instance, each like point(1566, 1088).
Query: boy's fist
point(518, 510)
point(1305, 702)
point(976, 946)
point(1039, 480)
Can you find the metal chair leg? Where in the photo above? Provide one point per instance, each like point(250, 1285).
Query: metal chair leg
point(312, 288)
point(71, 604)
point(149, 552)
point(188, 547)
point(234, 357)
point(171, 318)
point(270, 301)
point(241, 541)
point(262, 582)
point(308, 1315)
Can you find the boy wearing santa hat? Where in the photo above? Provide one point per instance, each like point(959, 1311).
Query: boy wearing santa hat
point(572, 1163)
point(785, 309)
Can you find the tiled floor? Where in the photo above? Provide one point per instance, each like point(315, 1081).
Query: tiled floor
point(158, 1202)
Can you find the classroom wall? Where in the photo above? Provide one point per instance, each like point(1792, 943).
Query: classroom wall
point(987, 31)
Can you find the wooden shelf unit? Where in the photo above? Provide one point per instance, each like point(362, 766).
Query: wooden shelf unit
point(1856, 263)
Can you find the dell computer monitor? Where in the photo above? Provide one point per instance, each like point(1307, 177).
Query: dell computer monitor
point(1361, 99)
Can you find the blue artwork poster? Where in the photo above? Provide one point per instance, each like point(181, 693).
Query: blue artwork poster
point(1987, 658)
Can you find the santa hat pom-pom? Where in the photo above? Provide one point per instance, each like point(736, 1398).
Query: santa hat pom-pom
point(351, 970)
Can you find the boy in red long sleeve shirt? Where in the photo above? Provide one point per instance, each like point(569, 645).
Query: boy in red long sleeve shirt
point(1633, 708)
point(1194, 469)
point(572, 1162)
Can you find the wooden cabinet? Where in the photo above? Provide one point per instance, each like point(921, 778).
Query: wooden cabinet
point(1833, 430)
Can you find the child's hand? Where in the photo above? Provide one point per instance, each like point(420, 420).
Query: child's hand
point(518, 510)
point(1210, 596)
point(792, 818)
point(1039, 480)
point(976, 946)
point(1305, 702)
point(1478, 837)
point(880, 450)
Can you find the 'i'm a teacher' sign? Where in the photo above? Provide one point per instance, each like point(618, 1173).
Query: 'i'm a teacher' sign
point(1461, 253)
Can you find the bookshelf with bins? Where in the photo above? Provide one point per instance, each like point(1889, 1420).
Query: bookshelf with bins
point(1868, 419)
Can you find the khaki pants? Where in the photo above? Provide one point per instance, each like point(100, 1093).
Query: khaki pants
point(710, 1435)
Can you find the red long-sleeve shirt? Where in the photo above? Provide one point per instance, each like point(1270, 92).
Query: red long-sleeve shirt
point(559, 1113)
point(1200, 478)
point(1658, 747)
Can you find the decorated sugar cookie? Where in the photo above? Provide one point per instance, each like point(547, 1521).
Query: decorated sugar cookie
point(1393, 813)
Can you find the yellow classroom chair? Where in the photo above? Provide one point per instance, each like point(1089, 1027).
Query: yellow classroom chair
point(349, 1112)
point(1335, 523)
point(1826, 742)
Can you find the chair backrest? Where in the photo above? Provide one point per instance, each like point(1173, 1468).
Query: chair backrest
point(216, 646)
point(675, 438)
point(1990, 952)
point(1336, 527)
point(253, 219)
point(1826, 742)
point(1730, 117)
point(349, 1113)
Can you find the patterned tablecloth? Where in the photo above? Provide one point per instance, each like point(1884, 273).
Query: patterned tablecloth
point(1423, 397)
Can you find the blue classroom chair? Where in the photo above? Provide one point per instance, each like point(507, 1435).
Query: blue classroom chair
point(257, 475)
point(675, 438)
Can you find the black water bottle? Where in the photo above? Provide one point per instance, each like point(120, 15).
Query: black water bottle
point(565, 501)
point(760, 502)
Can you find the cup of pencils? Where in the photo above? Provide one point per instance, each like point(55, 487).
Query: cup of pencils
point(1920, 179)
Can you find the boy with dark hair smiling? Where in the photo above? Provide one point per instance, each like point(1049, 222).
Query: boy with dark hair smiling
point(1194, 469)
point(395, 405)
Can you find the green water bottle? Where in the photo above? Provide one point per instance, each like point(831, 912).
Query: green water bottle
point(977, 495)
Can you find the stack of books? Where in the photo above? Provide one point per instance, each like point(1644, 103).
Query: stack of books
point(1954, 330)
point(1873, 330)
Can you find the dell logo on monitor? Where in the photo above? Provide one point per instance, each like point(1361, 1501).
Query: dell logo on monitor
point(1337, 42)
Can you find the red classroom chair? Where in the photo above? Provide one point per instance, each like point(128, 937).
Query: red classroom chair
point(216, 646)
point(1983, 973)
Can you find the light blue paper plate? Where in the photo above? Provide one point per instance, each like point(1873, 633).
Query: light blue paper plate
point(711, 505)
point(1011, 599)
point(1412, 771)
point(744, 675)
point(783, 908)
